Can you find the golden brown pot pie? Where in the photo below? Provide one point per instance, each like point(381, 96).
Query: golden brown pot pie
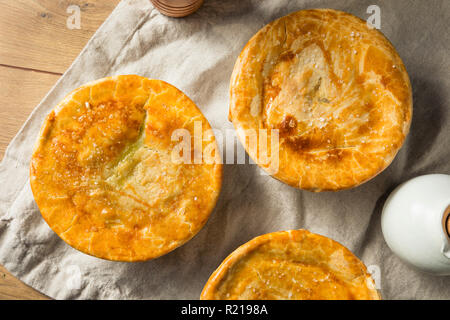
point(104, 176)
point(291, 265)
point(336, 91)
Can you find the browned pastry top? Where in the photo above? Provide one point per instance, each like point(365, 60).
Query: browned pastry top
point(296, 265)
point(336, 91)
point(104, 177)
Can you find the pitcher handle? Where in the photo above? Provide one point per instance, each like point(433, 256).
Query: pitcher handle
point(446, 228)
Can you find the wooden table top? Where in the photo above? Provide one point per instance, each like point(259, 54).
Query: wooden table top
point(36, 47)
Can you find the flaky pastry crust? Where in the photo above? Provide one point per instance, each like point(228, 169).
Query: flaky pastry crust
point(336, 91)
point(103, 175)
point(291, 265)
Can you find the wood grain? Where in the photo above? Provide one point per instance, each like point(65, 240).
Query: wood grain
point(36, 47)
point(34, 33)
point(13, 289)
point(20, 92)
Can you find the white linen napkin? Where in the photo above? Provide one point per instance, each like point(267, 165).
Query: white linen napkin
point(197, 55)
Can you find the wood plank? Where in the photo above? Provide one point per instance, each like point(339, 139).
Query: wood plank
point(13, 289)
point(34, 33)
point(20, 91)
point(35, 37)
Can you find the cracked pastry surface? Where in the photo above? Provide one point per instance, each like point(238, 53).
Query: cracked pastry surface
point(103, 176)
point(336, 91)
point(291, 265)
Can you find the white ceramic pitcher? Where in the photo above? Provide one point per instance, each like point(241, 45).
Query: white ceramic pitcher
point(416, 224)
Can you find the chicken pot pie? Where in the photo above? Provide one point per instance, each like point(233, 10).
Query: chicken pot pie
point(104, 174)
point(291, 265)
point(333, 90)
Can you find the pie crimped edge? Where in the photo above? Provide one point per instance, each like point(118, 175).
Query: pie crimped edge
point(336, 90)
point(102, 173)
point(317, 257)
